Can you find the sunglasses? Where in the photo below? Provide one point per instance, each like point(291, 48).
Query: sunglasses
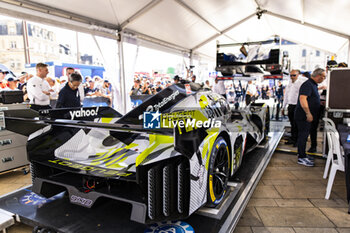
point(293, 75)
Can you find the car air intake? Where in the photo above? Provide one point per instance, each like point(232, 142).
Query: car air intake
point(168, 189)
point(180, 190)
point(151, 189)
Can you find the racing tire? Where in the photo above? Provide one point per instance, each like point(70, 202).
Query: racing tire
point(267, 124)
point(218, 172)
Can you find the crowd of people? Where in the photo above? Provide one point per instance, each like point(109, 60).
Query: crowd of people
point(234, 92)
point(303, 99)
point(67, 91)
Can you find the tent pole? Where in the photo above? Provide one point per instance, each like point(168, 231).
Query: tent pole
point(77, 41)
point(25, 41)
point(99, 49)
point(191, 60)
point(348, 51)
point(122, 71)
point(136, 57)
point(280, 47)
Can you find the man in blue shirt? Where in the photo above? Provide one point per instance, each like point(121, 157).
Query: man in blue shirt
point(69, 95)
point(306, 111)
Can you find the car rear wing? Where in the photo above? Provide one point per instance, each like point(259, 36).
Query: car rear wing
point(27, 121)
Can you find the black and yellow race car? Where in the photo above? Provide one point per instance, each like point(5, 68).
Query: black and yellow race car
point(167, 157)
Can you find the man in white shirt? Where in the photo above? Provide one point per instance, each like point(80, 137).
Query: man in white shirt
point(251, 93)
point(219, 88)
point(39, 89)
point(55, 87)
point(291, 99)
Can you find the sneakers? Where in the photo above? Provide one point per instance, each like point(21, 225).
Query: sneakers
point(306, 162)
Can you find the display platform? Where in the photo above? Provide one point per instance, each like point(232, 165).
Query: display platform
point(60, 215)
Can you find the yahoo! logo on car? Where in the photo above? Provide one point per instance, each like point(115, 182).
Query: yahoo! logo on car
point(83, 113)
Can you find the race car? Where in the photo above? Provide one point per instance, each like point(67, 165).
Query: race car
point(168, 157)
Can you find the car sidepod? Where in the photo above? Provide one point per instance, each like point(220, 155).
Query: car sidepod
point(199, 165)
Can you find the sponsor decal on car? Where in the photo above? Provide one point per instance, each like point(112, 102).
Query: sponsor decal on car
point(81, 201)
point(83, 113)
point(92, 169)
point(33, 199)
point(170, 227)
point(210, 107)
point(156, 107)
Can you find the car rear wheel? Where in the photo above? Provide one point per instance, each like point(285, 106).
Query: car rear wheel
point(218, 173)
point(267, 123)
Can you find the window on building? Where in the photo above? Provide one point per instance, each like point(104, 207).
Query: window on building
point(50, 36)
point(3, 29)
point(19, 28)
point(318, 53)
point(13, 44)
point(303, 53)
point(30, 30)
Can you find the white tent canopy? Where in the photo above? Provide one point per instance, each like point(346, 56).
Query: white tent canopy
point(192, 27)
point(195, 25)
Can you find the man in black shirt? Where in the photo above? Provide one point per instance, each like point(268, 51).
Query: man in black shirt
point(306, 111)
point(159, 87)
point(69, 95)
